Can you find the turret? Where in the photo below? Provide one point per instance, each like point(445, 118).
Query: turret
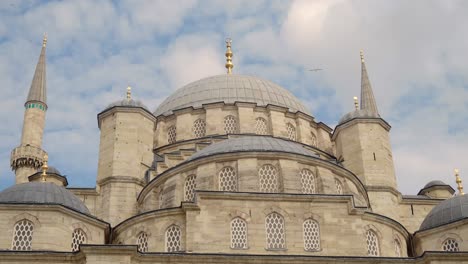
point(363, 143)
point(26, 159)
point(125, 156)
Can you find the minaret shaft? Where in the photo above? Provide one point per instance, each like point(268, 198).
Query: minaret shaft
point(28, 156)
point(367, 95)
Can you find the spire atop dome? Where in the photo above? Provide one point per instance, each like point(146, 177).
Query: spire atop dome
point(129, 93)
point(356, 103)
point(459, 182)
point(44, 168)
point(367, 96)
point(229, 53)
point(38, 90)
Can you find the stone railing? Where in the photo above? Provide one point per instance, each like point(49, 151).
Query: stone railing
point(27, 156)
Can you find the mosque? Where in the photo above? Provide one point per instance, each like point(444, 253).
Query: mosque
point(228, 169)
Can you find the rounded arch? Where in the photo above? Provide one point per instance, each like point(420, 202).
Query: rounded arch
point(268, 178)
point(23, 231)
point(291, 132)
point(311, 234)
point(173, 237)
point(239, 233)
point(230, 124)
point(199, 128)
point(275, 230)
point(78, 237)
point(190, 184)
point(308, 180)
point(261, 126)
point(171, 134)
point(228, 179)
point(373, 240)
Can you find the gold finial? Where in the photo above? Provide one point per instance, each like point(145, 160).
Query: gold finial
point(459, 182)
point(356, 104)
point(362, 56)
point(129, 93)
point(44, 40)
point(44, 168)
point(229, 64)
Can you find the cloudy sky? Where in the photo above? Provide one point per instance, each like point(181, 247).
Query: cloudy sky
point(416, 54)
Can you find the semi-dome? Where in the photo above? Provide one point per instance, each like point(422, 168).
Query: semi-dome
point(435, 183)
point(254, 144)
point(448, 211)
point(230, 88)
point(50, 170)
point(360, 113)
point(127, 103)
point(42, 193)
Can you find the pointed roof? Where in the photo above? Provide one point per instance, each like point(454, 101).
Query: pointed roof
point(38, 90)
point(367, 96)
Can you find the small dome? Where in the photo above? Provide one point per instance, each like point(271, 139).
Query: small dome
point(361, 113)
point(127, 103)
point(230, 88)
point(253, 144)
point(42, 193)
point(450, 210)
point(435, 183)
point(51, 170)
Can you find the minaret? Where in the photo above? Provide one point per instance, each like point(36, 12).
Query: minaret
point(28, 156)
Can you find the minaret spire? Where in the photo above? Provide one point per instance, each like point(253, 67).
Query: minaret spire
point(38, 90)
point(367, 96)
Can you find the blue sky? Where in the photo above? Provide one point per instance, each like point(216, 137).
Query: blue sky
point(415, 53)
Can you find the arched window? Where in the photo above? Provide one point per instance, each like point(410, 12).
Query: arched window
point(372, 243)
point(228, 179)
point(291, 130)
point(78, 238)
point(199, 128)
point(173, 235)
point(313, 140)
point(171, 134)
point(450, 245)
point(268, 176)
point(311, 235)
point(338, 186)
point(275, 237)
point(397, 245)
point(22, 236)
point(142, 242)
point(189, 188)
point(308, 181)
point(230, 124)
point(261, 126)
point(238, 233)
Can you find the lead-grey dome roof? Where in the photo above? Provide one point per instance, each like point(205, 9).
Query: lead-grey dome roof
point(450, 210)
point(253, 144)
point(127, 103)
point(42, 193)
point(50, 170)
point(434, 183)
point(230, 88)
point(360, 113)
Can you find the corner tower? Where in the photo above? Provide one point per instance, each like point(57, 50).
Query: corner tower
point(363, 143)
point(125, 156)
point(27, 158)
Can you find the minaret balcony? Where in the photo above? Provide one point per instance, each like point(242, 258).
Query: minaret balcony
point(27, 156)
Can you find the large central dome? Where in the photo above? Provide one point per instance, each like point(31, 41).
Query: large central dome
point(230, 88)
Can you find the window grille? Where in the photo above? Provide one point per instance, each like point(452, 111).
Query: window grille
point(199, 128)
point(142, 242)
point(268, 176)
point(308, 182)
point(261, 126)
point(190, 185)
point(313, 140)
point(397, 245)
point(450, 245)
point(372, 243)
point(238, 233)
point(291, 130)
point(22, 237)
point(339, 187)
point(171, 134)
point(311, 235)
point(78, 238)
point(228, 179)
point(275, 237)
point(173, 235)
point(230, 124)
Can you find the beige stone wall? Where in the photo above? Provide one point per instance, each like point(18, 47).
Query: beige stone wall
point(433, 239)
point(53, 227)
point(90, 197)
point(247, 167)
point(412, 212)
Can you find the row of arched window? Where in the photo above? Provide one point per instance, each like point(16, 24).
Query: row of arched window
point(268, 181)
point(23, 235)
point(231, 127)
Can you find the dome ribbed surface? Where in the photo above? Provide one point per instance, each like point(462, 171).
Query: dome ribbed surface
point(230, 88)
point(253, 144)
point(42, 193)
point(450, 210)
